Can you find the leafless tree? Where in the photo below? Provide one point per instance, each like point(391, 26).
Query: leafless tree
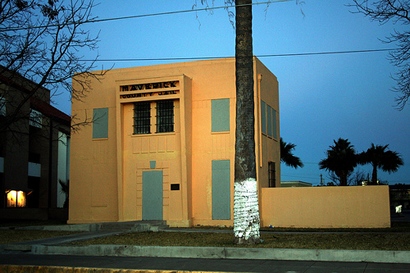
point(354, 179)
point(42, 41)
point(396, 11)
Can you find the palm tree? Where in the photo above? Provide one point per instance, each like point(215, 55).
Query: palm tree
point(287, 156)
point(380, 158)
point(341, 160)
point(65, 189)
point(246, 205)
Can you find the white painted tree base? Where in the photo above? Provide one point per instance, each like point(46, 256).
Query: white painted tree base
point(246, 211)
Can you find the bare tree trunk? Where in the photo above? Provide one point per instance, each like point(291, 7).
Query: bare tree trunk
point(246, 207)
point(374, 174)
point(343, 179)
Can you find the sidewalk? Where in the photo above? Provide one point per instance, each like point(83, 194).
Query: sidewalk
point(53, 247)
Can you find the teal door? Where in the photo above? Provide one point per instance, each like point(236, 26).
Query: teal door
point(152, 195)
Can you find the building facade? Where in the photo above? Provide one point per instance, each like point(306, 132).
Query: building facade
point(162, 141)
point(34, 146)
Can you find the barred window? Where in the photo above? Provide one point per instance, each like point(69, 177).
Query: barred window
point(165, 116)
point(142, 117)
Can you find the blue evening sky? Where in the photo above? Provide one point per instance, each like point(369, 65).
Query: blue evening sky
point(322, 97)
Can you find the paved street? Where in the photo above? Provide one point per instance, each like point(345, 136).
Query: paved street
point(220, 265)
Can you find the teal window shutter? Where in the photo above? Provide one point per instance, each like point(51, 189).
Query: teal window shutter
point(270, 123)
point(275, 125)
point(220, 115)
point(221, 190)
point(100, 123)
point(263, 116)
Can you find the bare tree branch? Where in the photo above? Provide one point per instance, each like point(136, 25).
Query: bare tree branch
point(396, 11)
point(42, 42)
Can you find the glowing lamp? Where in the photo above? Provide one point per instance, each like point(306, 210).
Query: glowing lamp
point(16, 199)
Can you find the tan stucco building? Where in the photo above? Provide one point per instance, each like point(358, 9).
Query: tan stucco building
point(161, 143)
point(160, 146)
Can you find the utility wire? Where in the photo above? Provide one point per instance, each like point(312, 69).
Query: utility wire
point(142, 15)
point(181, 11)
point(259, 56)
point(327, 52)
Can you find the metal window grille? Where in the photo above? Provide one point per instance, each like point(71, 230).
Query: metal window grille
point(142, 117)
point(165, 116)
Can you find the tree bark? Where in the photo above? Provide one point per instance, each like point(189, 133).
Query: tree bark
point(246, 205)
point(374, 174)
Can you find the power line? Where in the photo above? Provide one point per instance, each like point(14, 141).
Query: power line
point(143, 15)
point(181, 11)
point(259, 56)
point(327, 52)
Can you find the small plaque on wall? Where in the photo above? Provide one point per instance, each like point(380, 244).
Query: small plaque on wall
point(174, 187)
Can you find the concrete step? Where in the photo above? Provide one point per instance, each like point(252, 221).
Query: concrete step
point(133, 226)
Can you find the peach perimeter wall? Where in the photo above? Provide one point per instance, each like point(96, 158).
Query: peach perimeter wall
point(326, 207)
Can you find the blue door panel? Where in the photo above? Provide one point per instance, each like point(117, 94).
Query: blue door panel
point(152, 195)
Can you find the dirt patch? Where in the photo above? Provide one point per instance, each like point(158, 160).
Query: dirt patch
point(363, 241)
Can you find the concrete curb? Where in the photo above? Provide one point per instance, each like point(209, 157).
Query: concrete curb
point(73, 228)
point(69, 269)
point(376, 256)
